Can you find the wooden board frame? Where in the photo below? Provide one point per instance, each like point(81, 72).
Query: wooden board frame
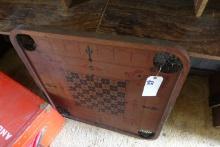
point(126, 122)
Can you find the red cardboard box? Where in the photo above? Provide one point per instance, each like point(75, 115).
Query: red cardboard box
point(25, 119)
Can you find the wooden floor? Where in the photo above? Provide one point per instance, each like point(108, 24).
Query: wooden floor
point(172, 20)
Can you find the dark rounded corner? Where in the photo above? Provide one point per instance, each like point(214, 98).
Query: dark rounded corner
point(167, 62)
point(146, 134)
point(26, 42)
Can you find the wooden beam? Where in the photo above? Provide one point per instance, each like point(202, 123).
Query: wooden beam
point(200, 6)
point(142, 19)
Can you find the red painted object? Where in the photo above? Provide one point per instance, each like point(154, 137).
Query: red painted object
point(25, 119)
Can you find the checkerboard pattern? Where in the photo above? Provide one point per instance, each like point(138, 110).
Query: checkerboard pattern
point(100, 94)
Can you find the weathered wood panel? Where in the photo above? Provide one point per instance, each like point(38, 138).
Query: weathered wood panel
point(173, 20)
point(78, 18)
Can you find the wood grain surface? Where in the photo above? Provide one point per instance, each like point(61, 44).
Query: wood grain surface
point(101, 81)
point(171, 20)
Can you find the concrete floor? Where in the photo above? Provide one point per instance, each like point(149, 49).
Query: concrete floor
point(189, 125)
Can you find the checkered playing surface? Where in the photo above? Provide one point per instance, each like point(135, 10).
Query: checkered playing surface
point(100, 94)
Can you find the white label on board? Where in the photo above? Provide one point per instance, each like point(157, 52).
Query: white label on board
point(152, 85)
